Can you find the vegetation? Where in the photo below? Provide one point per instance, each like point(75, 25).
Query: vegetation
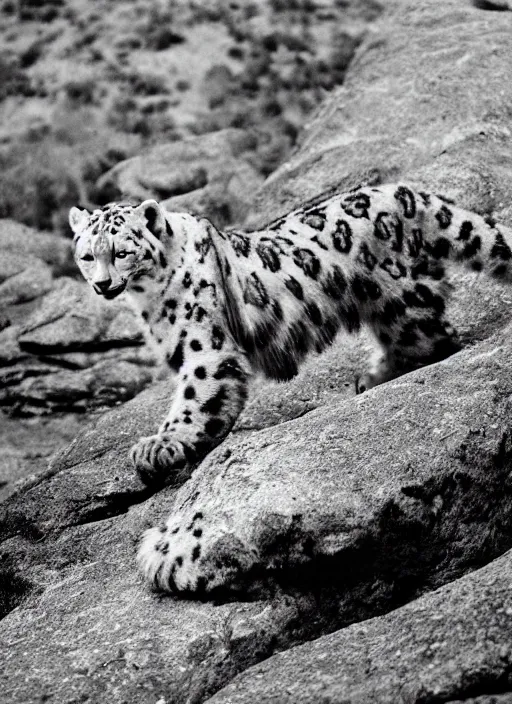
point(84, 85)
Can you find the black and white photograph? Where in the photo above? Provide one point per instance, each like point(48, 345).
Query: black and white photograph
point(256, 352)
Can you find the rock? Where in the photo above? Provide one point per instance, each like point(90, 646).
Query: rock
point(43, 389)
point(451, 645)
point(27, 444)
point(23, 278)
point(403, 490)
point(73, 317)
point(393, 478)
point(9, 348)
point(20, 239)
point(75, 352)
point(204, 175)
point(403, 113)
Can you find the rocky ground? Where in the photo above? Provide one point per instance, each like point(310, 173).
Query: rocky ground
point(382, 547)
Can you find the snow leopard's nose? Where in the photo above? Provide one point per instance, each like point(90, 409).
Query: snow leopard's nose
point(103, 285)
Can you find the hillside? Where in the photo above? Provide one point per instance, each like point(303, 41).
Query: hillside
point(86, 85)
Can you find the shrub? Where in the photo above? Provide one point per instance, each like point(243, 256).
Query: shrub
point(36, 181)
point(128, 115)
point(55, 166)
point(13, 79)
point(157, 30)
point(148, 84)
point(30, 56)
point(236, 52)
point(164, 37)
point(182, 85)
point(80, 92)
point(39, 10)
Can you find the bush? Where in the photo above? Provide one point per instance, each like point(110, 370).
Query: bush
point(29, 57)
point(163, 37)
point(182, 85)
point(36, 181)
point(235, 52)
point(148, 84)
point(157, 31)
point(39, 10)
point(81, 92)
point(128, 115)
point(13, 79)
point(56, 166)
point(341, 55)
point(9, 7)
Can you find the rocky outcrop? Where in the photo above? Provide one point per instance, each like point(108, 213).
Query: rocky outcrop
point(73, 353)
point(451, 646)
point(205, 175)
point(62, 351)
point(343, 509)
point(407, 111)
point(21, 240)
point(402, 490)
point(61, 347)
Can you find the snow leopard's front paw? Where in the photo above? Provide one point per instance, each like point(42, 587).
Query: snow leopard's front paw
point(158, 459)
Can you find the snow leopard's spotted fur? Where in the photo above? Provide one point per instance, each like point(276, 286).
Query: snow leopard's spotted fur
point(224, 304)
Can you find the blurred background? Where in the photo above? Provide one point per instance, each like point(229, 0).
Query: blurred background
point(86, 85)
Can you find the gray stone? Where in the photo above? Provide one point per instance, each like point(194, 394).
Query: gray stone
point(9, 349)
point(75, 352)
point(452, 645)
point(73, 317)
point(406, 111)
point(27, 445)
point(23, 278)
point(20, 239)
point(204, 175)
point(45, 389)
point(403, 489)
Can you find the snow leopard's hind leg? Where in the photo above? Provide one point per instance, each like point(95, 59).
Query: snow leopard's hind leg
point(411, 333)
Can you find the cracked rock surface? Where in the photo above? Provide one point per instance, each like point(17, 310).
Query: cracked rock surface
point(378, 525)
point(452, 646)
point(61, 347)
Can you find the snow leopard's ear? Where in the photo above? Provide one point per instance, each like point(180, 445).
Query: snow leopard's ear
point(78, 219)
point(154, 216)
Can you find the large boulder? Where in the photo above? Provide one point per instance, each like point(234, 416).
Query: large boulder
point(426, 99)
point(453, 646)
point(401, 490)
point(63, 352)
point(23, 278)
point(75, 352)
point(26, 241)
point(204, 175)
